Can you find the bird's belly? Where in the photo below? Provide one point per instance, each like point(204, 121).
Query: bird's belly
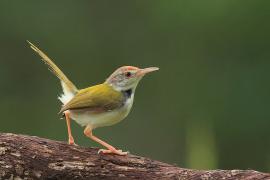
point(95, 120)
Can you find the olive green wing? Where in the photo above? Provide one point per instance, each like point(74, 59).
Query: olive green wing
point(99, 98)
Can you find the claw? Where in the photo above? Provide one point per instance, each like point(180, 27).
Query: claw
point(71, 142)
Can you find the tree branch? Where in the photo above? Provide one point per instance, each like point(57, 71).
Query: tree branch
point(25, 157)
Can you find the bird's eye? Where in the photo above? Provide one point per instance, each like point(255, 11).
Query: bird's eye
point(128, 74)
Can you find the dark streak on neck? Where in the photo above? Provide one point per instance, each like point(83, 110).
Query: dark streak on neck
point(127, 93)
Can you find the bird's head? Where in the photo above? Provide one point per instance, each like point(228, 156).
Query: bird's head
point(128, 77)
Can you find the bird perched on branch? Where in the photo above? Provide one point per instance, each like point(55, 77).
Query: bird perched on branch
point(101, 105)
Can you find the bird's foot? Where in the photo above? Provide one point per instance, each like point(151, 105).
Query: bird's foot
point(71, 142)
point(114, 151)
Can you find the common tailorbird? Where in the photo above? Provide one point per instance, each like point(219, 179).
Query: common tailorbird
point(97, 106)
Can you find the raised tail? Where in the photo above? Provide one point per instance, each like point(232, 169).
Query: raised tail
point(69, 88)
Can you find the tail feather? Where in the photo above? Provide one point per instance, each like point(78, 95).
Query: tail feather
point(69, 88)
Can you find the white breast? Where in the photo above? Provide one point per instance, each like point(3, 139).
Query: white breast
point(95, 120)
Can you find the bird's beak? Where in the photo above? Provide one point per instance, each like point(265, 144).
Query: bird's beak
point(144, 71)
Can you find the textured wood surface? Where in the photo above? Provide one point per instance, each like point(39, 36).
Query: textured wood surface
point(26, 157)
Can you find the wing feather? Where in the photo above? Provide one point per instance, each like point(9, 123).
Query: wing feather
point(97, 98)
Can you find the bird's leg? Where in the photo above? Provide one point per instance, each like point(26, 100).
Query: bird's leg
point(70, 137)
point(110, 149)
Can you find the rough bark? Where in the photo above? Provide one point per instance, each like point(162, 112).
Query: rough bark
point(25, 157)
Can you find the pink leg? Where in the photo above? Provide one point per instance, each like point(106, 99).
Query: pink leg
point(110, 149)
point(70, 137)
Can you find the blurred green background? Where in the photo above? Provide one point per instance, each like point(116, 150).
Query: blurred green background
point(207, 107)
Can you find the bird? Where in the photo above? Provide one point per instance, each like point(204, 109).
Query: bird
point(100, 105)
